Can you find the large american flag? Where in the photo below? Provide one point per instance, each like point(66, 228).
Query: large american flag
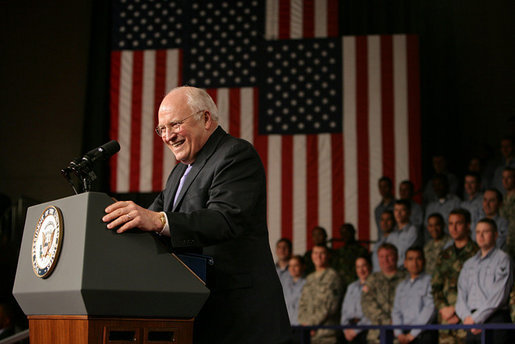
point(328, 114)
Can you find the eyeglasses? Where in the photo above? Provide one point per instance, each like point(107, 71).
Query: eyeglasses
point(173, 126)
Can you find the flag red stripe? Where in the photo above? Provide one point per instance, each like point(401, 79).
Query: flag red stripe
point(212, 93)
point(260, 141)
point(308, 20)
point(234, 112)
point(362, 137)
point(159, 91)
point(115, 115)
point(337, 183)
point(332, 18)
point(136, 99)
point(284, 19)
point(413, 86)
point(312, 154)
point(387, 120)
point(287, 186)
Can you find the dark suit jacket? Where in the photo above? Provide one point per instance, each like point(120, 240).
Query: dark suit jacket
point(221, 210)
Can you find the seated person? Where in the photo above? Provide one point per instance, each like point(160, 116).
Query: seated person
point(378, 293)
point(438, 242)
point(351, 307)
point(319, 237)
point(492, 203)
point(283, 253)
point(406, 191)
point(473, 200)
point(293, 287)
point(350, 250)
point(413, 303)
point(387, 225)
point(484, 286)
point(321, 298)
point(385, 187)
point(405, 234)
point(444, 203)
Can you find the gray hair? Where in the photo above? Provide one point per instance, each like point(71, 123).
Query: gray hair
point(199, 100)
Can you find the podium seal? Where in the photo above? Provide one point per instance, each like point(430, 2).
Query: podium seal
point(47, 241)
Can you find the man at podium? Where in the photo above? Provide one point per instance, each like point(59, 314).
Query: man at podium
point(215, 202)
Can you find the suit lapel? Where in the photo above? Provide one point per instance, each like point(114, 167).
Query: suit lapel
point(202, 158)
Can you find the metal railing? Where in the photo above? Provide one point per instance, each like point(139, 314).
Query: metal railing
point(386, 331)
point(15, 338)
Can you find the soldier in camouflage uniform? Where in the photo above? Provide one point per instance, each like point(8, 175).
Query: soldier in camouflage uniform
point(444, 283)
point(321, 298)
point(439, 241)
point(346, 254)
point(378, 293)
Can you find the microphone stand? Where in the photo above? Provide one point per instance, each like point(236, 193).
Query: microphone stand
point(83, 171)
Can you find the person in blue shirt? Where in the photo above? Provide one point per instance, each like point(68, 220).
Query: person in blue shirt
point(292, 287)
point(484, 286)
point(413, 304)
point(406, 234)
point(283, 250)
point(352, 313)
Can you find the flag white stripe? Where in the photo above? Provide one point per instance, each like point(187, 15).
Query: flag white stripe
point(222, 102)
point(247, 114)
point(321, 18)
point(274, 188)
point(349, 129)
point(147, 121)
point(325, 216)
point(400, 98)
point(374, 125)
point(172, 81)
point(272, 19)
point(299, 198)
point(124, 122)
point(296, 18)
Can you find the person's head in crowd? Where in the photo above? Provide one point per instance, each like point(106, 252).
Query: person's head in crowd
point(387, 255)
point(459, 224)
point(440, 185)
point(385, 187)
point(435, 226)
point(320, 257)
point(472, 183)
point(187, 118)
point(508, 178)
point(363, 267)
point(414, 261)
point(507, 147)
point(492, 202)
point(387, 222)
point(439, 163)
point(475, 164)
point(348, 233)
point(406, 189)
point(296, 267)
point(319, 235)
point(283, 250)
point(402, 212)
point(486, 234)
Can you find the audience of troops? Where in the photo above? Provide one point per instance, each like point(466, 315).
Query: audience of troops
point(446, 261)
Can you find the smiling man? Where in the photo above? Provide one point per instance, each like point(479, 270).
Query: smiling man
point(215, 203)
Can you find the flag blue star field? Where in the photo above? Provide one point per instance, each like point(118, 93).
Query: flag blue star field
point(328, 114)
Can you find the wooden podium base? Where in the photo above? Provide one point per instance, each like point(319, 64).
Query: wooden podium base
point(84, 329)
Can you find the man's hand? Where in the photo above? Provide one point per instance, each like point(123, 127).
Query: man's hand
point(469, 321)
point(447, 312)
point(130, 215)
point(349, 334)
point(453, 320)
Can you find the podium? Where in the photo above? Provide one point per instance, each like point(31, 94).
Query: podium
point(104, 287)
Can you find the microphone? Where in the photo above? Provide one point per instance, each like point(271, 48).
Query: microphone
point(103, 152)
point(83, 168)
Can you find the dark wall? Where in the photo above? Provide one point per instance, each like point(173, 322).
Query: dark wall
point(43, 66)
point(53, 72)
